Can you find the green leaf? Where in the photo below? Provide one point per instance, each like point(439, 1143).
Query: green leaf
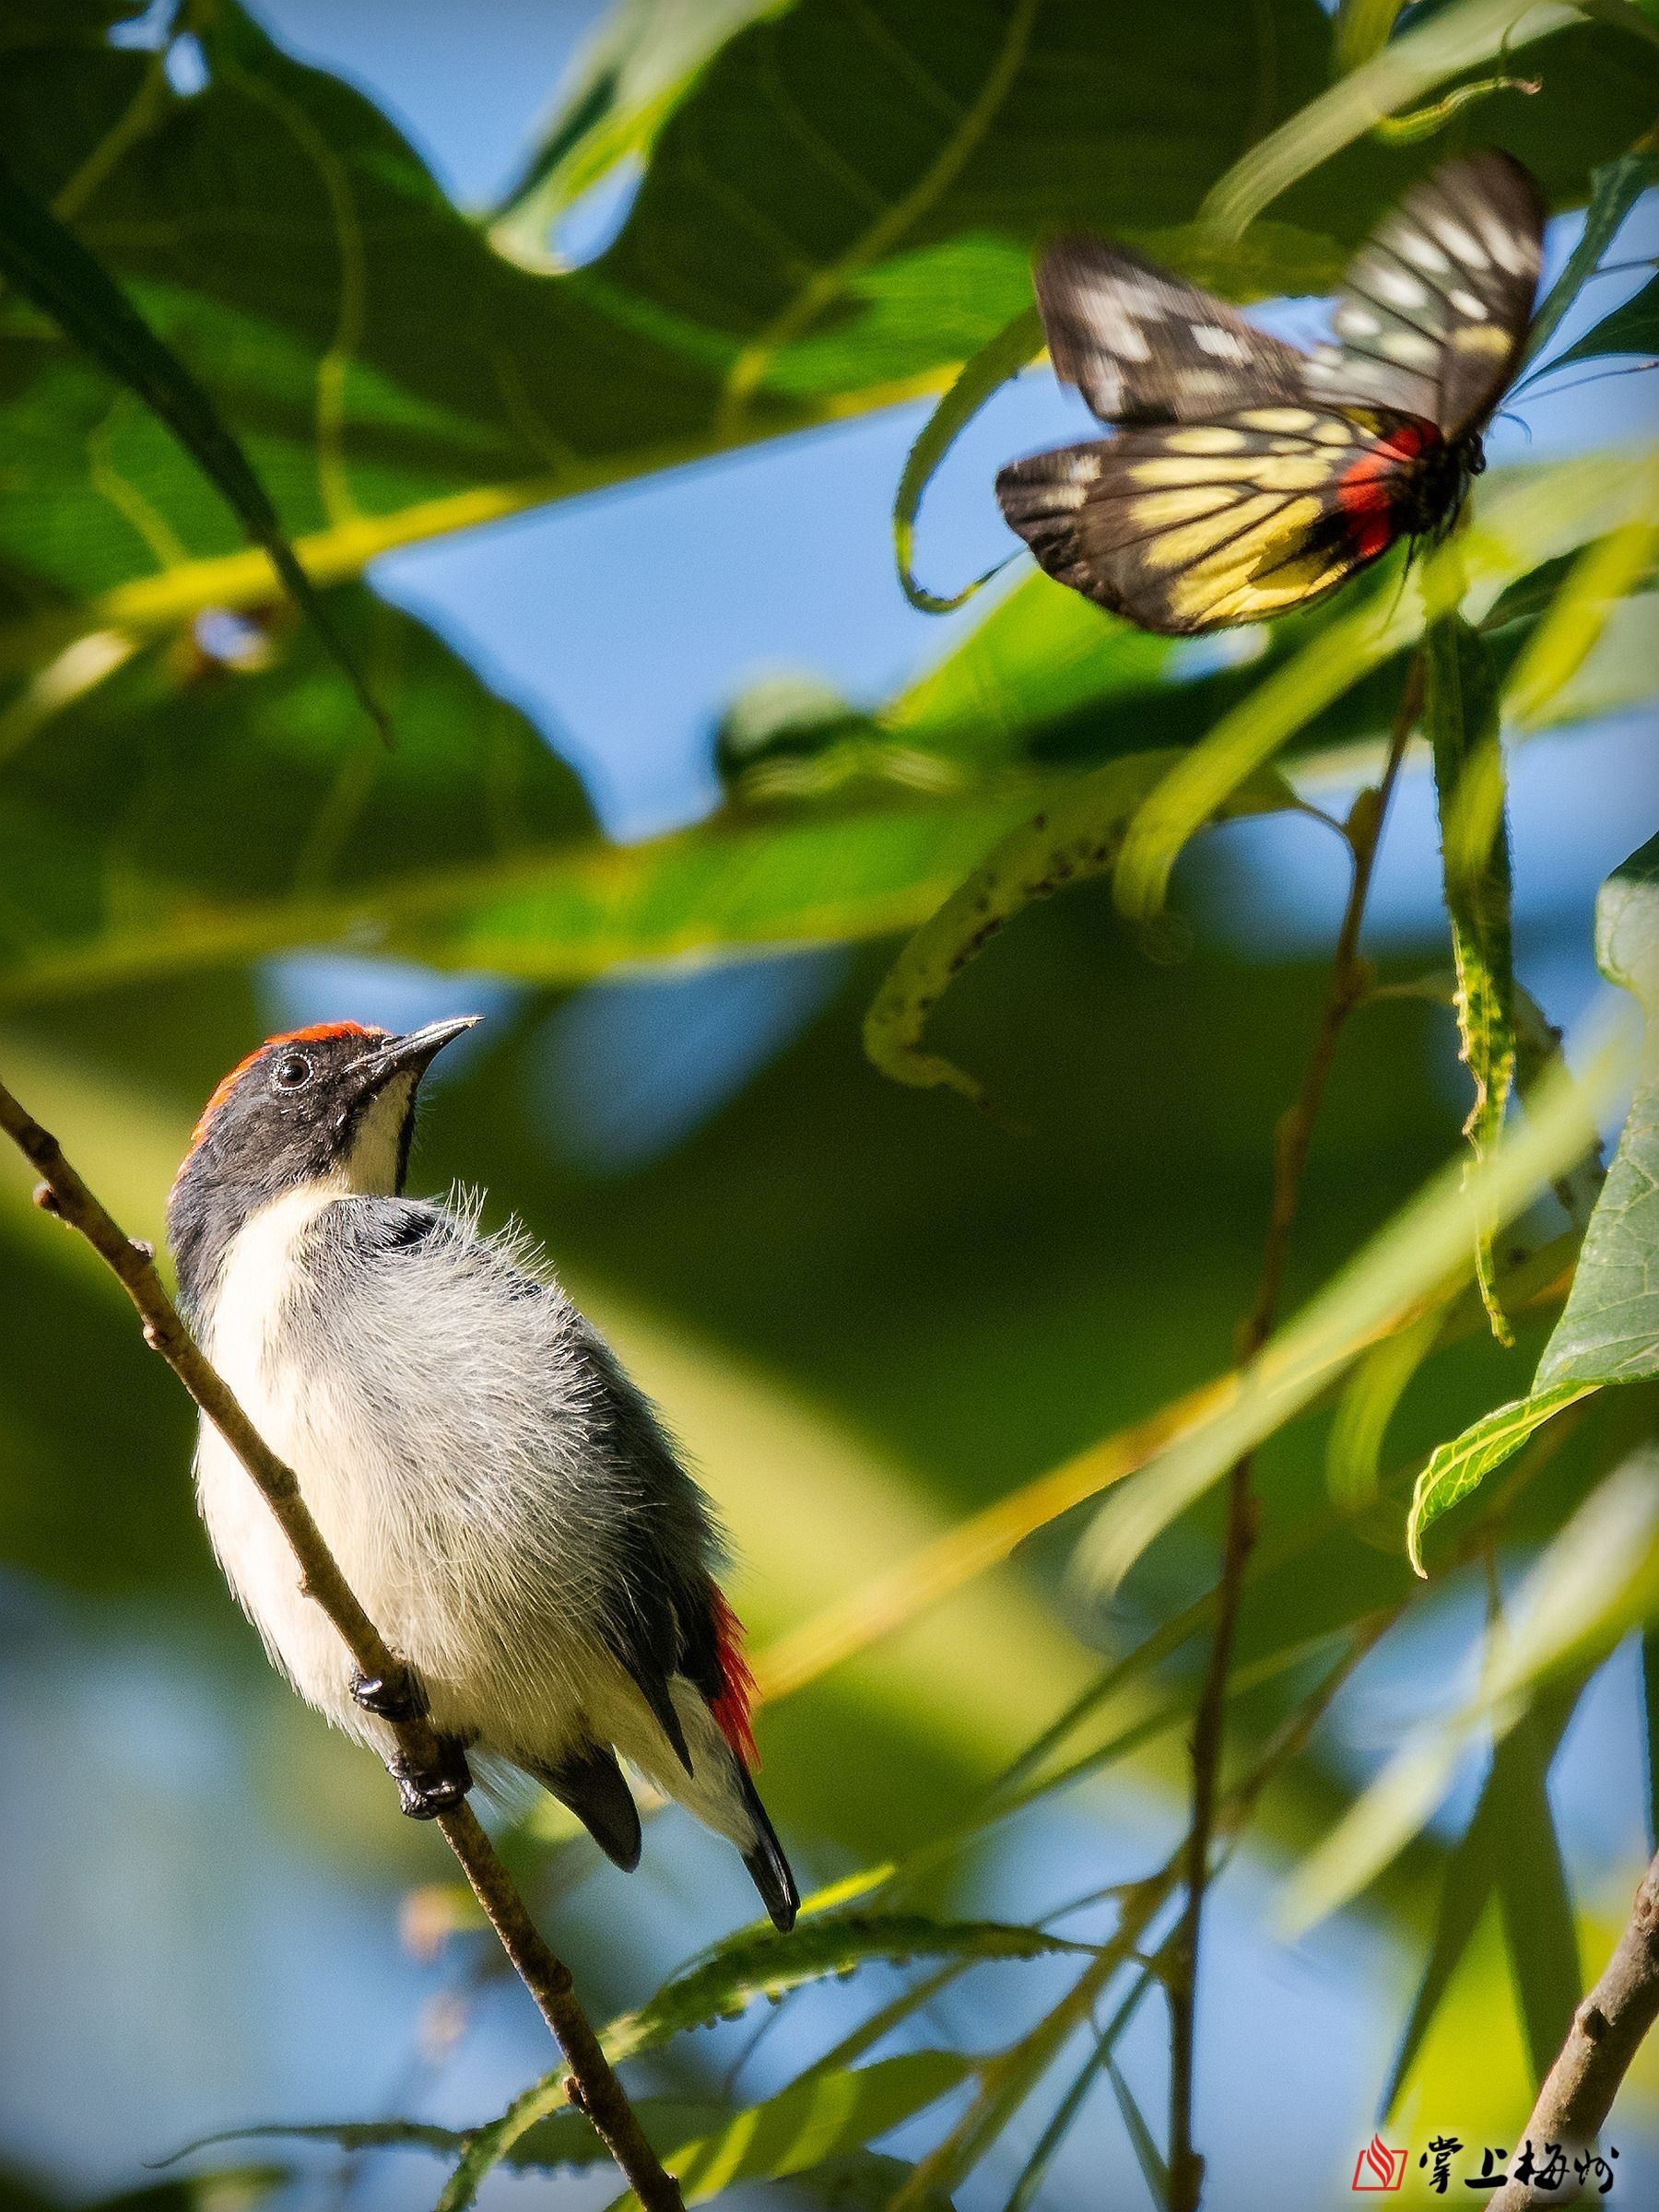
point(1398, 75)
point(1598, 1579)
point(1148, 2157)
point(1061, 2121)
point(49, 266)
point(766, 1965)
point(1476, 1868)
point(1609, 1330)
point(180, 817)
point(1614, 189)
point(997, 359)
point(1362, 30)
point(1457, 1467)
point(270, 819)
point(268, 823)
point(822, 2117)
point(866, 2180)
point(1042, 658)
point(1520, 525)
point(615, 98)
point(839, 210)
point(730, 1979)
point(562, 2139)
point(1076, 837)
point(1460, 711)
point(1632, 328)
point(1427, 1245)
point(1538, 1924)
point(1592, 590)
point(1379, 1381)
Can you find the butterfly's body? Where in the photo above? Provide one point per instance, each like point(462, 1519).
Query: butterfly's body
point(1249, 477)
point(1413, 484)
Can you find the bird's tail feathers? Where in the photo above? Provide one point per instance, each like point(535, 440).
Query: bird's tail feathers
point(769, 1869)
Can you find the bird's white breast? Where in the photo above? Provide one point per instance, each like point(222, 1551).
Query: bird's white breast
point(259, 1279)
point(437, 1428)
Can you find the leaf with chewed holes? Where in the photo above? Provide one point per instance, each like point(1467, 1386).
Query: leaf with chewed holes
point(1460, 710)
point(1076, 837)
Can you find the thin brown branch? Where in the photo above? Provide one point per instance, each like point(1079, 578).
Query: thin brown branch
point(594, 2088)
point(1292, 1140)
point(1607, 2032)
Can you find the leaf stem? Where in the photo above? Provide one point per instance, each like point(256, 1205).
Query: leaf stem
point(594, 2087)
point(1292, 1140)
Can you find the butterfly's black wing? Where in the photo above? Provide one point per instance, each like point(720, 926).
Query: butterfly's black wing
point(1194, 526)
point(1142, 347)
point(1433, 313)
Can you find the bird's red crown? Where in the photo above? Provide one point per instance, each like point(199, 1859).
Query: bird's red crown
point(314, 1035)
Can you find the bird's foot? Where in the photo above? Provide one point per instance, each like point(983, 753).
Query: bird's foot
point(425, 1792)
point(396, 1696)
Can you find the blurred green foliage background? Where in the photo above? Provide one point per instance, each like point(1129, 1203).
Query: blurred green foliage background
point(675, 770)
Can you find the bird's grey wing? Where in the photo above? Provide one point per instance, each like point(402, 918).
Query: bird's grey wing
point(661, 1616)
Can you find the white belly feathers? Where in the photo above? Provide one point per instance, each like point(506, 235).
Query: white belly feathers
point(357, 1392)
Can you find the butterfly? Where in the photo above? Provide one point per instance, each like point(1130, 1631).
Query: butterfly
point(1249, 476)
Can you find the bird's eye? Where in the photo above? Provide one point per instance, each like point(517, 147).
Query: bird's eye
point(292, 1072)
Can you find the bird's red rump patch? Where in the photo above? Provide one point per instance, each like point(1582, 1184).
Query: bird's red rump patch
point(316, 1034)
point(730, 1707)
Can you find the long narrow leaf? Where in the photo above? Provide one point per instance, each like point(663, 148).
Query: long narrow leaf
point(997, 359)
point(1520, 525)
point(1077, 836)
point(732, 1977)
point(1538, 1925)
point(1598, 1579)
point(1456, 1468)
point(820, 2118)
point(1595, 586)
point(1632, 328)
point(46, 261)
point(1461, 712)
point(1411, 1261)
point(1148, 2157)
point(1354, 1449)
point(1362, 30)
point(756, 1966)
point(1396, 75)
point(1061, 2121)
point(1472, 1874)
point(1614, 189)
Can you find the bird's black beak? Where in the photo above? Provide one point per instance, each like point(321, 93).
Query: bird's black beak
point(412, 1055)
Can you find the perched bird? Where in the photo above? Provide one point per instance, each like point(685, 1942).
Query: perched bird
point(496, 1491)
point(1249, 477)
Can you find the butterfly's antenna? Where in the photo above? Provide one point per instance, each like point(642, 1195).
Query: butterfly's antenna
point(1622, 269)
